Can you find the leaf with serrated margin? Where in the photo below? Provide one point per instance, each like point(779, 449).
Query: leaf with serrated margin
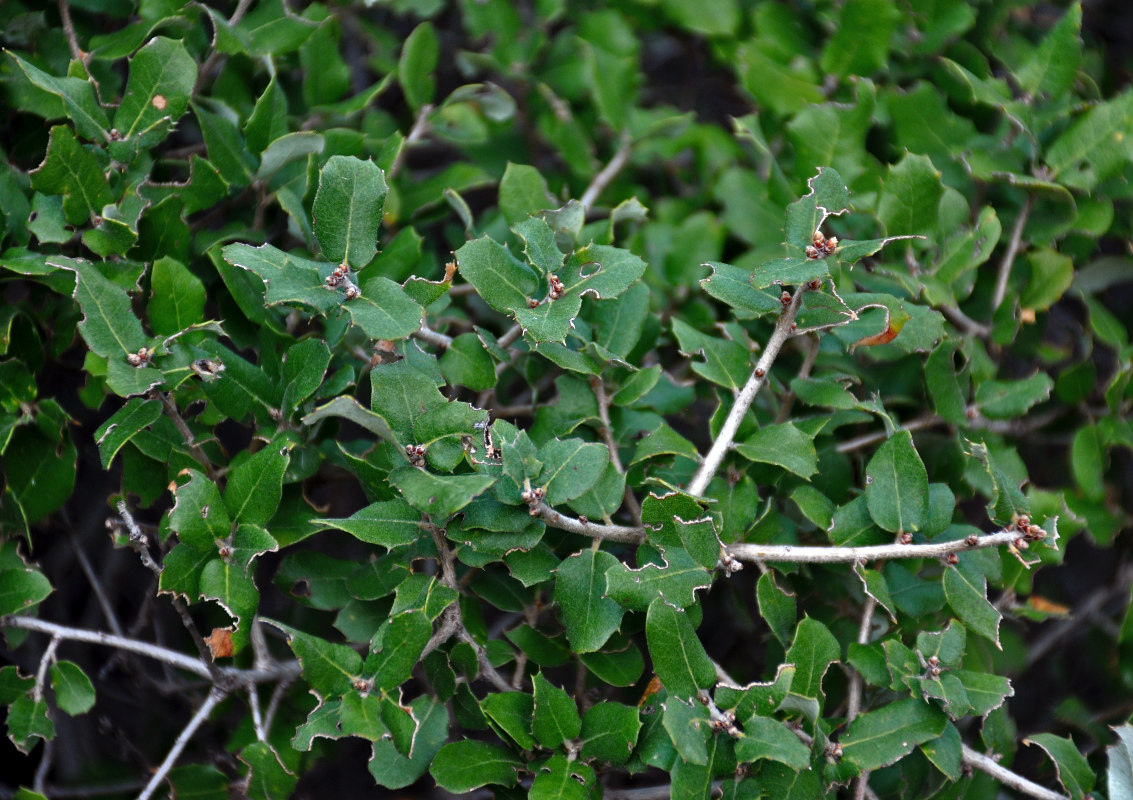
point(812, 652)
point(113, 434)
point(389, 523)
point(986, 692)
point(1074, 772)
point(289, 279)
point(784, 445)
point(601, 271)
point(396, 648)
point(255, 486)
point(350, 409)
point(348, 209)
point(827, 195)
point(74, 172)
point(551, 320)
point(267, 777)
point(440, 496)
point(384, 310)
point(734, 286)
point(678, 656)
point(1007, 500)
point(555, 718)
point(28, 719)
point(766, 738)
point(589, 616)
point(467, 765)
point(539, 244)
point(609, 732)
point(199, 515)
point(395, 771)
point(726, 363)
point(676, 581)
point(909, 199)
point(790, 271)
point(230, 586)
point(897, 485)
point(879, 738)
point(504, 282)
point(1096, 145)
point(330, 669)
point(160, 83)
point(77, 95)
point(571, 468)
point(966, 590)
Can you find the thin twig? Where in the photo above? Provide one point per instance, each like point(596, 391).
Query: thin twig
point(178, 422)
point(965, 323)
point(44, 768)
point(1005, 776)
point(607, 174)
point(854, 702)
point(811, 355)
point(416, 133)
point(746, 396)
point(232, 675)
point(510, 336)
point(95, 583)
point(214, 698)
point(1009, 257)
point(44, 663)
point(430, 336)
point(595, 530)
point(607, 433)
point(257, 717)
point(69, 31)
point(273, 704)
point(870, 439)
point(806, 554)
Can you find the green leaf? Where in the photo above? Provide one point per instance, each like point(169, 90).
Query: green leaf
point(113, 434)
point(1074, 772)
point(348, 210)
point(1095, 146)
point(416, 64)
point(1012, 399)
point(440, 496)
point(687, 723)
point(789, 272)
point(609, 732)
point(571, 468)
point(551, 320)
point(226, 148)
point(879, 738)
point(562, 779)
point(161, 80)
point(860, 44)
point(74, 692)
point(268, 777)
point(467, 765)
point(178, 297)
point(616, 667)
point(27, 720)
point(776, 607)
point(725, 363)
point(288, 149)
point(303, 368)
point(396, 648)
point(396, 771)
point(783, 445)
point(70, 170)
point(504, 282)
point(555, 718)
point(966, 590)
point(389, 523)
point(733, 285)
point(676, 581)
point(330, 669)
point(897, 485)
point(946, 753)
point(384, 310)
point(539, 243)
point(21, 588)
point(255, 486)
point(909, 199)
point(1051, 275)
point(812, 652)
point(78, 97)
point(765, 738)
point(229, 585)
point(1007, 500)
point(467, 363)
point(678, 656)
point(601, 271)
point(512, 712)
point(589, 616)
point(1051, 67)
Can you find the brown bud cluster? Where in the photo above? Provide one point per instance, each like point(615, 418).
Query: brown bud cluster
point(533, 497)
point(338, 276)
point(821, 247)
point(140, 358)
point(557, 289)
point(416, 455)
point(1031, 533)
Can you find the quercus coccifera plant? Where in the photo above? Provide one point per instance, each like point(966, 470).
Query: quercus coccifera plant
point(427, 375)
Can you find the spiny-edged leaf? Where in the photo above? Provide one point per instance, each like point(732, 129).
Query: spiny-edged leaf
point(539, 242)
point(512, 713)
point(440, 496)
point(389, 523)
point(766, 738)
point(1095, 146)
point(27, 720)
point(1074, 772)
point(402, 394)
point(113, 434)
point(20, 588)
point(467, 765)
point(826, 195)
point(348, 209)
point(350, 409)
point(551, 320)
point(966, 590)
point(733, 285)
point(384, 310)
point(873, 582)
point(571, 468)
point(1007, 500)
point(74, 693)
point(78, 99)
point(290, 279)
point(609, 732)
point(601, 271)
point(687, 723)
point(401, 641)
point(678, 656)
point(523, 191)
point(897, 485)
point(986, 692)
point(783, 445)
point(503, 281)
point(1011, 399)
point(362, 716)
point(879, 738)
point(162, 75)
point(229, 585)
point(329, 668)
point(776, 607)
point(1051, 67)
point(812, 652)
point(562, 779)
point(555, 718)
point(790, 271)
point(589, 616)
point(109, 326)
point(861, 41)
point(908, 201)
point(946, 645)
point(619, 323)
point(199, 515)
point(725, 362)
point(675, 581)
point(70, 170)
point(396, 771)
point(256, 485)
point(268, 778)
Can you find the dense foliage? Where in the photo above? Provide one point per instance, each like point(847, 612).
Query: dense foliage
point(564, 399)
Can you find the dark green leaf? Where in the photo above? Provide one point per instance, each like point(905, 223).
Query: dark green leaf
point(1074, 772)
point(555, 718)
point(812, 651)
point(609, 732)
point(464, 766)
point(589, 616)
point(897, 485)
point(879, 738)
point(348, 210)
point(678, 656)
